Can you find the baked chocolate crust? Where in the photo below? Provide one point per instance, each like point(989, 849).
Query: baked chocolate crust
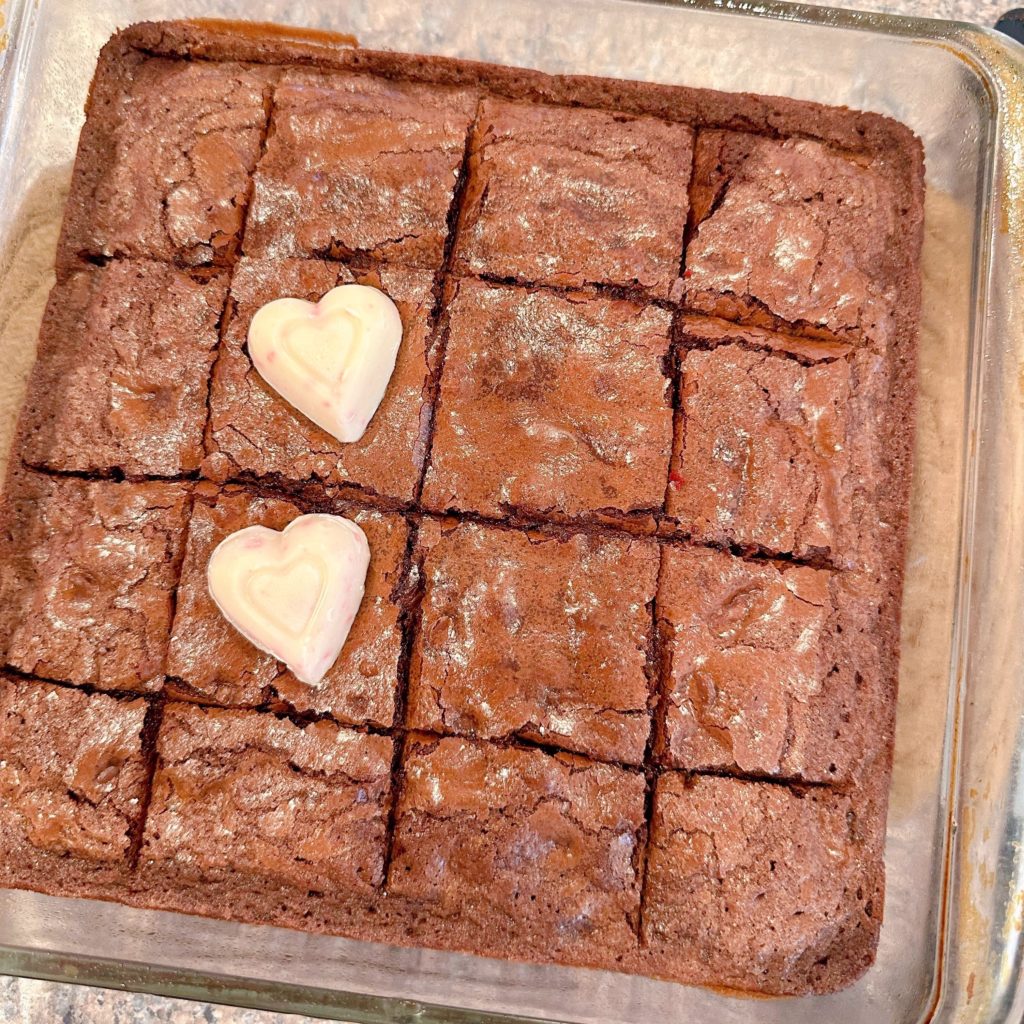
point(150, 186)
point(241, 794)
point(762, 887)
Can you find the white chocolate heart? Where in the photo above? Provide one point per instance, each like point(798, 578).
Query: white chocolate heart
point(331, 359)
point(293, 594)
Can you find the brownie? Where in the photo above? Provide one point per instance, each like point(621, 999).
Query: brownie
point(87, 578)
point(122, 373)
point(165, 159)
point(72, 781)
point(752, 885)
point(535, 635)
point(778, 455)
point(771, 669)
point(792, 231)
point(551, 404)
point(211, 662)
point(516, 853)
point(621, 692)
point(358, 165)
point(253, 815)
point(255, 433)
point(569, 196)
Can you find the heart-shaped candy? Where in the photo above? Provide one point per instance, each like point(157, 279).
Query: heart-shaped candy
point(293, 594)
point(331, 359)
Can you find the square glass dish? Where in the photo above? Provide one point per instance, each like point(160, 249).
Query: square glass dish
point(951, 941)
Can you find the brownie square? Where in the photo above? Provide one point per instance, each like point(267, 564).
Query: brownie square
point(517, 853)
point(122, 373)
point(550, 404)
point(791, 231)
point(359, 165)
point(247, 807)
point(72, 778)
point(752, 885)
point(535, 635)
point(778, 456)
point(771, 669)
point(165, 159)
point(255, 433)
point(570, 196)
point(87, 578)
point(211, 662)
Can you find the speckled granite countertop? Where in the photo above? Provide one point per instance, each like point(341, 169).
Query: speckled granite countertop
point(24, 1001)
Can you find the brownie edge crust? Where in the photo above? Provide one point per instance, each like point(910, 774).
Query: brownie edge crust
point(621, 692)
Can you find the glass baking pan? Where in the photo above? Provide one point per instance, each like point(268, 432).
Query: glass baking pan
point(951, 943)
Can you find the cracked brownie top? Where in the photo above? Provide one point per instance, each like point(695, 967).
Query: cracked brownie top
point(240, 793)
point(88, 572)
point(523, 848)
point(359, 165)
point(254, 434)
point(575, 197)
point(780, 457)
point(763, 886)
point(123, 371)
point(165, 160)
point(535, 635)
point(551, 404)
point(793, 232)
point(771, 669)
point(72, 776)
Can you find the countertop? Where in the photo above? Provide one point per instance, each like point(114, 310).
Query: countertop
point(24, 1001)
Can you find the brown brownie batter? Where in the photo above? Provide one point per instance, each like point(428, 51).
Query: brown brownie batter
point(72, 781)
point(777, 456)
point(246, 804)
point(123, 370)
point(771, 670)
point(794, 232)
point(210, 661)
point(535, 635)
point(87, 577)
point(255, 433)
point(517, 853)
point(163, 185)
point(762, 887)
point(569, 196)
point(358, 165)
point(551, 404)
